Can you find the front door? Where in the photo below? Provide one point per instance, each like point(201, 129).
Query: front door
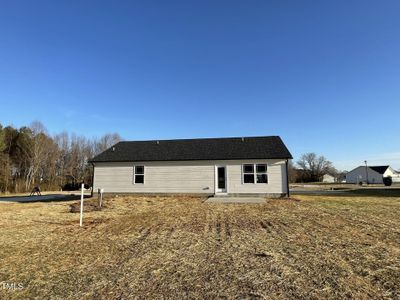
point(221, 179)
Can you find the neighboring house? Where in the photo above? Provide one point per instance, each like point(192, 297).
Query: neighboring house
point(375, 174)
point(327, 178)
point(249, 165)
point(396, 176)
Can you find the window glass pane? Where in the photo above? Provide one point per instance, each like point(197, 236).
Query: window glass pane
point(262, 178)
point(248, 168)
point(261, 168)
point(248, 178)
point(139, 170)
point(139, 178)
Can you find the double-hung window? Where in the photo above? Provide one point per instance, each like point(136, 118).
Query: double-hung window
point(248, 173)
point(138, 174)
point(261, 173)
point(254, 173)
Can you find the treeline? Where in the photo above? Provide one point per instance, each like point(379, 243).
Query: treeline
point(30, 157)
point(312, 168)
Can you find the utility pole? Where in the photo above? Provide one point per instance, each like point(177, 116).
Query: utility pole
point(366, 171)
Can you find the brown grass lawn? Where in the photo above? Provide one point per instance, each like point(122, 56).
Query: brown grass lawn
point(156, 247)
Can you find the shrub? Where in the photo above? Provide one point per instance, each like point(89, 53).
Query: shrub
point(387, 181)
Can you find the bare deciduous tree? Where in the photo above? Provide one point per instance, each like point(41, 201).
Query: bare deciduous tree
point(314, 166)
point(41, 148)
point(30, 156)
point(105, 142)
point(292, 172)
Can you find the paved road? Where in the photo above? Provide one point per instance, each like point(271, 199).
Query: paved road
point(319, 192)
point(43, 198)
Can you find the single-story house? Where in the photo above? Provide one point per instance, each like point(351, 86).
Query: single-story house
point(327, 178)
point(396, 177)
point(374, 174)
point(242, 165)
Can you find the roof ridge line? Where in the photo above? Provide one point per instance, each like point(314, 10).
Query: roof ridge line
point(207, 138)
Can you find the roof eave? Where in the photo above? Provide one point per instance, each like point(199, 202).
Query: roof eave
point(130, 160)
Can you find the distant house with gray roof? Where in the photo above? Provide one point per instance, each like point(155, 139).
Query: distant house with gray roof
point(374, 174)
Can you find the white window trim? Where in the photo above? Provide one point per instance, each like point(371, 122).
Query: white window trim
point(255, 173)
point(247, 173)
point(134, 174)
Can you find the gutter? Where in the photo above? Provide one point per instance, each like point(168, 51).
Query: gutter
point(287, 178)
point(91, 195)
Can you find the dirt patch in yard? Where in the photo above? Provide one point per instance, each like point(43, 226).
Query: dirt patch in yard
point(180, 247)
point(89, 205)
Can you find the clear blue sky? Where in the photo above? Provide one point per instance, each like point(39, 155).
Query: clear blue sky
point(324, 75)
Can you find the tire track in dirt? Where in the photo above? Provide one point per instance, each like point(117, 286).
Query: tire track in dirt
point(218, 226)
point(276, 227)
point(136, 245)
point(129, 251)
point(227, 226)
point(223, 227)
point(266, 225)
point(206, 227)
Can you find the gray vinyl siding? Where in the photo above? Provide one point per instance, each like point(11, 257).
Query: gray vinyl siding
point(186, 177)
point(359, 175)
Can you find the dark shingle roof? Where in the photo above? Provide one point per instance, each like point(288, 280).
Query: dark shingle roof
point(379, 169)
point(197, 149)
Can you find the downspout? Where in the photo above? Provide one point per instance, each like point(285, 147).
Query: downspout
point(287, 178)
point(91, 195)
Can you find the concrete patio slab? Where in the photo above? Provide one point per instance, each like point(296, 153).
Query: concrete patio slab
point(248, 200)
